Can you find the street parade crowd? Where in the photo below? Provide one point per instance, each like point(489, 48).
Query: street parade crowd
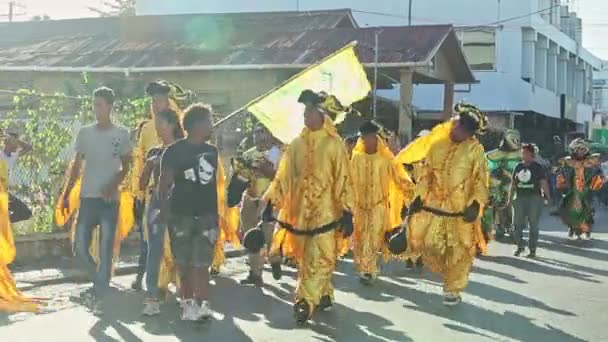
point(436, 203)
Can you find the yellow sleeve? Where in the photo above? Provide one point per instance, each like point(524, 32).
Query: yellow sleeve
point(424, 179)
point(401, 179)
point(228, 217)
point(138, 164)
point(344, 189)
point(481, 178)
point(279, 188)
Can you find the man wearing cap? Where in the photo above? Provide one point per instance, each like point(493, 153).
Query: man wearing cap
point(450, 194)
point(381, 187)
point(313, 193)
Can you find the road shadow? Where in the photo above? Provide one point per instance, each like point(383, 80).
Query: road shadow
point(537, 267)
point(582, 248)
point(343, 323)
point(497, 274)
point(575, 267)
point(510, 324)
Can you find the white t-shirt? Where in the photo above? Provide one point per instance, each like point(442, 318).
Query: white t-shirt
point(274, 156)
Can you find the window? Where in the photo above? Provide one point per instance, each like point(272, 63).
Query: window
point(479, 46)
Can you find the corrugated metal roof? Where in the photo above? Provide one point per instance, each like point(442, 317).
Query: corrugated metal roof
point(279, 39)
point(396, 45)
point(185, 27)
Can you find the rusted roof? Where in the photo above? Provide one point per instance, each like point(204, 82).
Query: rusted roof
point(184, 27)
point(287, 39)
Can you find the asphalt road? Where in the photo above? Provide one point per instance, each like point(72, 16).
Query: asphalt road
point(561, 296)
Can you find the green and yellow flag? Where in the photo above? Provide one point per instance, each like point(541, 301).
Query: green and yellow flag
point(340, 74)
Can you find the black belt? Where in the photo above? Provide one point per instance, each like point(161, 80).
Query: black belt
point(313, 232)
point(440, 212)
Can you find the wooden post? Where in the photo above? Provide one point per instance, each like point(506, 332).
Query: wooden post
point(406, 112)
point(448, 101)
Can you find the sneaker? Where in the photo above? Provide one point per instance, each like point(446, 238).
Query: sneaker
point(451, 299)
point(588, 235)
point(409, 264)
point(204, 312)
point(301, 311)
point(518, 252)
point(190, 310)
point(137, 284)
point(571, 233)
point(213, 272)
point(253, 280)
point(366, 279)
point(277, 272)
point(326, 304)
point(93, 305)
point(531, 255)
point(151, 307)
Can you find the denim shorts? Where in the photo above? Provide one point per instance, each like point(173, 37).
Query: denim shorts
point(193, 239)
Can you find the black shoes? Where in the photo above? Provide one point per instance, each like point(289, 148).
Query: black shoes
point(277, 273)
point(518, 252)
point(253, 280)
point(326, 304)
point(532, 254)
point(301, 311)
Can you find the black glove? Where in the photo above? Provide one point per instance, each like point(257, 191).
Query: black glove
point(416, 206)
point(471, 213)
point(347, 224)
point(404, 212)
point(267, 213)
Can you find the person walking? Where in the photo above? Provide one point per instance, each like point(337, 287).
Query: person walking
point(528, 187)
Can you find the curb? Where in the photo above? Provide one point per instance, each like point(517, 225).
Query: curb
point(77, 276)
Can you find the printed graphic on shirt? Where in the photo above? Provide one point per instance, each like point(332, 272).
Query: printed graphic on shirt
point(524, 176)
point(204, 172)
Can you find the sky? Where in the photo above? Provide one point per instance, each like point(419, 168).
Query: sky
point(593, 12)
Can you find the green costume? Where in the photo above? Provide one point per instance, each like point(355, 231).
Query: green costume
point(498, 216)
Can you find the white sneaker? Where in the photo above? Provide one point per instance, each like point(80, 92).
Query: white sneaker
point(151, 307)
point(204, 311)
point(189, 310)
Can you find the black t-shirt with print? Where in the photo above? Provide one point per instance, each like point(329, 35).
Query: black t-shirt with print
point(528, 178)
point(194, 178)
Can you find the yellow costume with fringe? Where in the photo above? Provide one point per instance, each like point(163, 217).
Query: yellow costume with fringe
point(452, 177)
point(312, 188)
point(381, 187)
point(125, 222)
point(11, 300)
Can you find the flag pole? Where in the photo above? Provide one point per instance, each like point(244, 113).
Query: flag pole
point(261, 97)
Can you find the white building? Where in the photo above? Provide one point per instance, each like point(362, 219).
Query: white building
point(600, 91)
point(527, 54)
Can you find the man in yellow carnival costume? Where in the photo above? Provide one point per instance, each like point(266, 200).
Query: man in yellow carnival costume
point(314, 195)
point(252, 173)
point(103, 152)
point(381, 188)
point(11, 300)
point(445, 226)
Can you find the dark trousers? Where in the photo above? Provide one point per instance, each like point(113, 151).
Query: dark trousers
point(527, 210)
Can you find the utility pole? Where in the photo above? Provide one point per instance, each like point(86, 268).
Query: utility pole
point(409, 14)
point(11, 11)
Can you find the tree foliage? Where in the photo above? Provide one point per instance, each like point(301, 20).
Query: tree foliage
point(115, 8)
